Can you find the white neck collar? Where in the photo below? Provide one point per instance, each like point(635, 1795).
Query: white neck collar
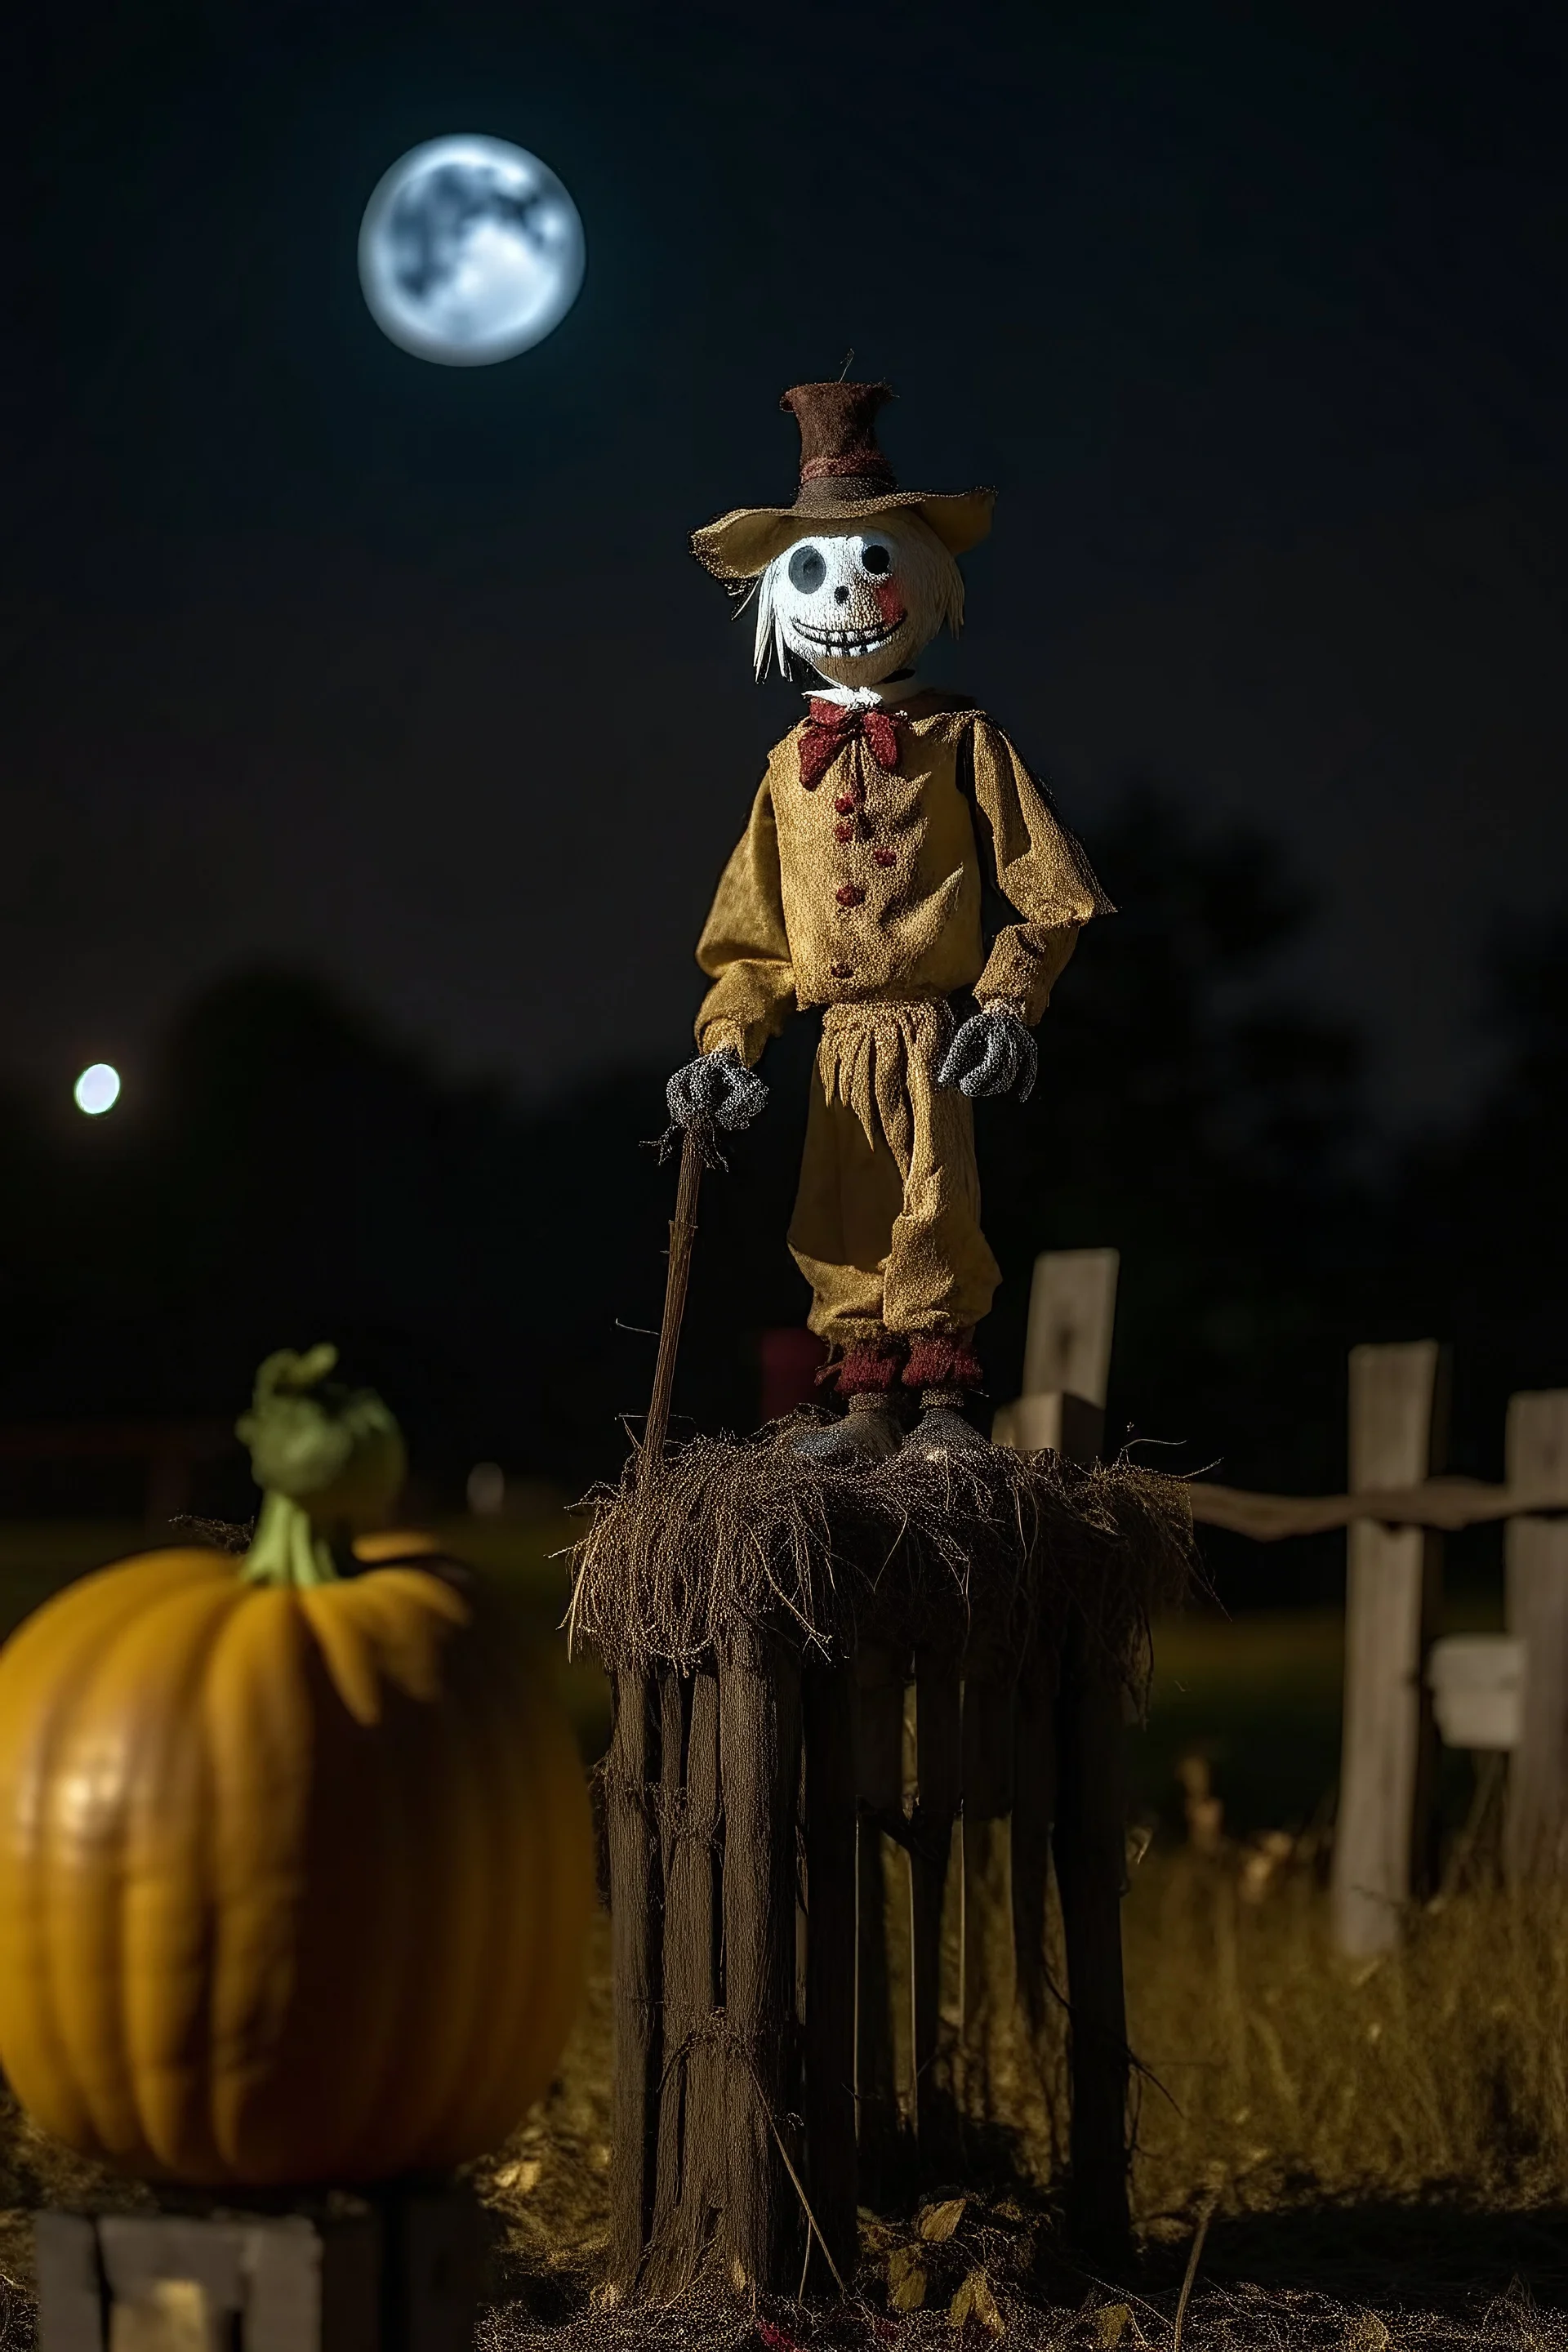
point(866, 698)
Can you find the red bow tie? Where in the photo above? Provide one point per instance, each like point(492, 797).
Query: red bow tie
point(832, 725)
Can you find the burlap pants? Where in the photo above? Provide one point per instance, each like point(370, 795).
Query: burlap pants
point(887, 1220)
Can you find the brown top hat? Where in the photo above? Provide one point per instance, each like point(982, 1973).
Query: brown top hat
point(843, 475)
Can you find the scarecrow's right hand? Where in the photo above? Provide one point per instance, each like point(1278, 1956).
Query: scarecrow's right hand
point(993, 1053)
point(718, 1088)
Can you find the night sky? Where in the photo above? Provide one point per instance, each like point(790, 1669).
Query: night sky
point(322, 657)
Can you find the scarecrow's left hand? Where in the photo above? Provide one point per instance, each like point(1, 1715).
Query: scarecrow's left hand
point(993, 1053)
point(716, 1087)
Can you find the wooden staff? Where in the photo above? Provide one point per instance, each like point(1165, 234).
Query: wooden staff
point(696, 1152)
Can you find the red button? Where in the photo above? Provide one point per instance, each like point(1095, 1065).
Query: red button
point(845, 831)
point(850, 893)
point(885, 857)
point(843, 971)
point(844, 803)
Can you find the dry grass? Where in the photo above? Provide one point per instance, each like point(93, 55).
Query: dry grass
point(1383, 2154)
point(1439, 2071)
point(724, 1536)
point(1378, 2156)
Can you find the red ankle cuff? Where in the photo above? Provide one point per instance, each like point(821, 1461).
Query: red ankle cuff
point(875, 1365)
point(943, 1361)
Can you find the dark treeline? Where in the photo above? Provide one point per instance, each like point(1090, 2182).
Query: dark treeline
point(290, 1172)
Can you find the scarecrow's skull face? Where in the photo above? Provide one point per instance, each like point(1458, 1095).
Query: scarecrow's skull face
point(856, 605)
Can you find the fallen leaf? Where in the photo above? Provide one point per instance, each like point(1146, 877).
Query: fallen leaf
point(1111, 2324)
point(938, 2222)
point(775, 2338)
point(906, 2279)
point(521, 2176)
point(1368, 2334)
point(976, 2301)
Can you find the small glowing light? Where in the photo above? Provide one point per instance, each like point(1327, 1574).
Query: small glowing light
point(486, 1490)
point(97, 1090)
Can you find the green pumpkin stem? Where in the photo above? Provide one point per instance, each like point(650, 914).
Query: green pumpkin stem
point(288, 1547)
point(329, 1460)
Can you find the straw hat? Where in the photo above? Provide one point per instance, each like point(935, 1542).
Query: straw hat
point(843, 476)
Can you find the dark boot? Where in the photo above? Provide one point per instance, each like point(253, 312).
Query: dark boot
point(942, 1428)
point(867, 1379)
point(944, 1371)
point(869, 1432)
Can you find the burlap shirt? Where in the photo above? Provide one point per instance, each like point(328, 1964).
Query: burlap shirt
point(870, 884)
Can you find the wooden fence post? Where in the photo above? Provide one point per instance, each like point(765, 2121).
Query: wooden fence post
point(1536, 1566)
point(1066, 1356)
point(1381, 1857)
point(1072, 1313)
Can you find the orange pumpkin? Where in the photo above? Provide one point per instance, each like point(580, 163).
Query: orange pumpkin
point(295, 1863)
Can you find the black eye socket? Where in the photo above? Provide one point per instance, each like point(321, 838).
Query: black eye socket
point(808, 568)
point(875, 557)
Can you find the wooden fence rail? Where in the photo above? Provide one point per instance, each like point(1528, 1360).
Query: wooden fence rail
point(1395, 1517)
point(1445, 1504)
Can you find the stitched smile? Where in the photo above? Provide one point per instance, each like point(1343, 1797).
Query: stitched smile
point(849, 641)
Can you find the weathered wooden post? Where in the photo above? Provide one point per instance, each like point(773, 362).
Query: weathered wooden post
point(1381, 1839)
point(827, 1727)
point(1066, 1356)
point(845, 1706)
point(759, 1753)
point(630, 1779)
point(1536, 1567)
point(1072, 1313)
point(940, 1792)
point(881, 1925)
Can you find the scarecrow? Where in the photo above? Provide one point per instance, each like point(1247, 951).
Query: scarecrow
point(899, 853)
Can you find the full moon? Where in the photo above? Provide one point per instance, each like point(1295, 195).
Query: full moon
point(97, 1090)
point(470, 251)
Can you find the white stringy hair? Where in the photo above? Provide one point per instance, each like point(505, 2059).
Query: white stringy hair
point(928, 572)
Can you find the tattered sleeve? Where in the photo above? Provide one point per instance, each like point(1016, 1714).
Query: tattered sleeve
point(744, 949)
point(1040, 870)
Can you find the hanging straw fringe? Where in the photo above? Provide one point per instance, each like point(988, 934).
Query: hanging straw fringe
point(727, 1540)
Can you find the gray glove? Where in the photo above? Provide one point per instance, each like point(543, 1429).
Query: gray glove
point(716, 1087)
point(993, 1053)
